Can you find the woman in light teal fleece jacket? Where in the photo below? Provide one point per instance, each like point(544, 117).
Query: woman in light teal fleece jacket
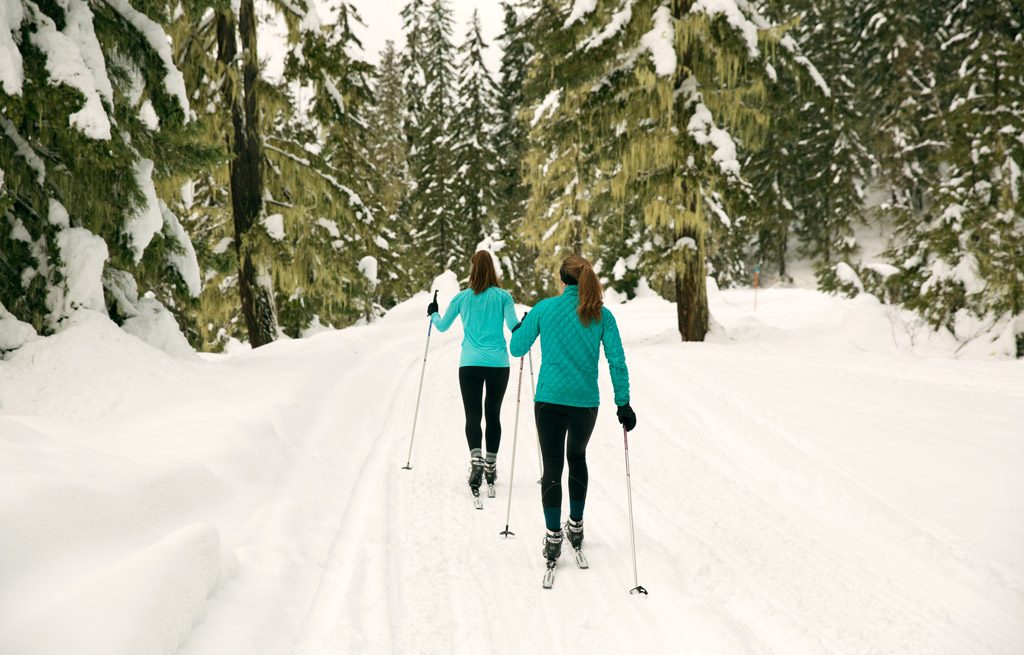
point(572, 328)
point(485, 309)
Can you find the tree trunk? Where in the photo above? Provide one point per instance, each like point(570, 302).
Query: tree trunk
point(692, 291)
point(255, 286)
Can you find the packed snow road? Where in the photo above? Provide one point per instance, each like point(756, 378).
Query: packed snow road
point(801, 484)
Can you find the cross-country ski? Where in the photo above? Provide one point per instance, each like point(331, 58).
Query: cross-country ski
point(549, 575)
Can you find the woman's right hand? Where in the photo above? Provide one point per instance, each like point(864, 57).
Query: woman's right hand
point(626, 416)
point(432, 308)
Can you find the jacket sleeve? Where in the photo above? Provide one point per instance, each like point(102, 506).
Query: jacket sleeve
point(509, 309)
point(449, 316)
point(616, 357)
point(523, 338)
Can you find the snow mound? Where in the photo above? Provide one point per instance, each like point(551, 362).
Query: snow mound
point(13, 333)
point(144, 605)
point(46, 377)
point(155, 325)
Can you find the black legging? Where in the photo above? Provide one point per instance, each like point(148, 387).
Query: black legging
point(472, 380)
point(554, 422)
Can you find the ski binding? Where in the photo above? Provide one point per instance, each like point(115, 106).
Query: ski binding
point(490, 491)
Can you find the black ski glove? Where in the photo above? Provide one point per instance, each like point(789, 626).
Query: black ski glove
point(520, 323)
point(627, 417)
point(432, 308)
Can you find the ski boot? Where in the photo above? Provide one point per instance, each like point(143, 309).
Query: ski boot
point(574, 533)
point(491, 472)
point(476, 474)
point(552, 545)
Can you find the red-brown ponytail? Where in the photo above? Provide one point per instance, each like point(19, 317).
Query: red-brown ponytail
point(590, 292)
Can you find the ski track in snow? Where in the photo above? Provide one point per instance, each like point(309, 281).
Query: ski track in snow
point(753, 542)
point(753, 534)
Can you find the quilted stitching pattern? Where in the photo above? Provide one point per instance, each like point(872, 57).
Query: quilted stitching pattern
point(568, 372)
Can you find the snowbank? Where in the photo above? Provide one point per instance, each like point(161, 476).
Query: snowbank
point(13, 333)
point(146, 604)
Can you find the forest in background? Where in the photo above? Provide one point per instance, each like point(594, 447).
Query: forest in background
point(149, 167)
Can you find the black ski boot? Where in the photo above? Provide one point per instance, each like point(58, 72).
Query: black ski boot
point(476, 473)
point(574, 533)
point(491, 472)
point(552, 545)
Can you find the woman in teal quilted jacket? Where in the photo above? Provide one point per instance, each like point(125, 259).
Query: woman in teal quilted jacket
point(572, 328)
point(484, 361)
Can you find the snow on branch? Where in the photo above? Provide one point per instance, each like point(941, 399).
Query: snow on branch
point(547, 107)
point(147, 219)
point(618, 21)
point(660, 42)
point(78, 27)
point(703, 130)
point(185, 261)
point(65, 65)
point(12, 75)
point(789, 43)
point(174, 81)
point(734, 16)
point(23, 149)
point(580, 8)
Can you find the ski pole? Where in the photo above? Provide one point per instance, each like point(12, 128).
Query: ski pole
point(533, 391)
point(512, 470)
point(632, 535)
point(416, 412)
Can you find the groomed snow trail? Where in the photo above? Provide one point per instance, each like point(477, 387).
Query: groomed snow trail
point(800, 485)
point(751, 538)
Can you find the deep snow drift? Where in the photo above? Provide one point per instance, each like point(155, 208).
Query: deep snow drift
point(813, 479)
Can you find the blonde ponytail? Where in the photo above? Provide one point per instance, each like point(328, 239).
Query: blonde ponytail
point(590, 293)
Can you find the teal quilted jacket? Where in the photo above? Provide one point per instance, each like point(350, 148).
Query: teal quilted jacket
point(568, 372)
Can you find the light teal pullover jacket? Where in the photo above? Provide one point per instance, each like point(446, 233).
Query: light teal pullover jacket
point(568, 372)
point(483, 343)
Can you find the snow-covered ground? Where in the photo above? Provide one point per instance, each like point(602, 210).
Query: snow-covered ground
point(805, 482)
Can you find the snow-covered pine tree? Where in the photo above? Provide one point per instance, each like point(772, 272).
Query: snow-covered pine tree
point(810, 172)
point(316, 230)
point(432, 202)
point(472, 132)
point(561, 163)
point(388, 151)
point(334, 247)
point(898, 67)
point(94, 114)
point(645, 100)
point(962, 265)
point(518, 257)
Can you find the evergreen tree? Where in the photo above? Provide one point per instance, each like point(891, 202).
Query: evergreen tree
point(333, 245)
point(810, 173)
point(899, 65)
point(95, 114)
point(388, 152)
point(316, 229)
point(962, 262)
point(517, 256)
point(648, 97)
point(473, 147)
point(431, 157)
